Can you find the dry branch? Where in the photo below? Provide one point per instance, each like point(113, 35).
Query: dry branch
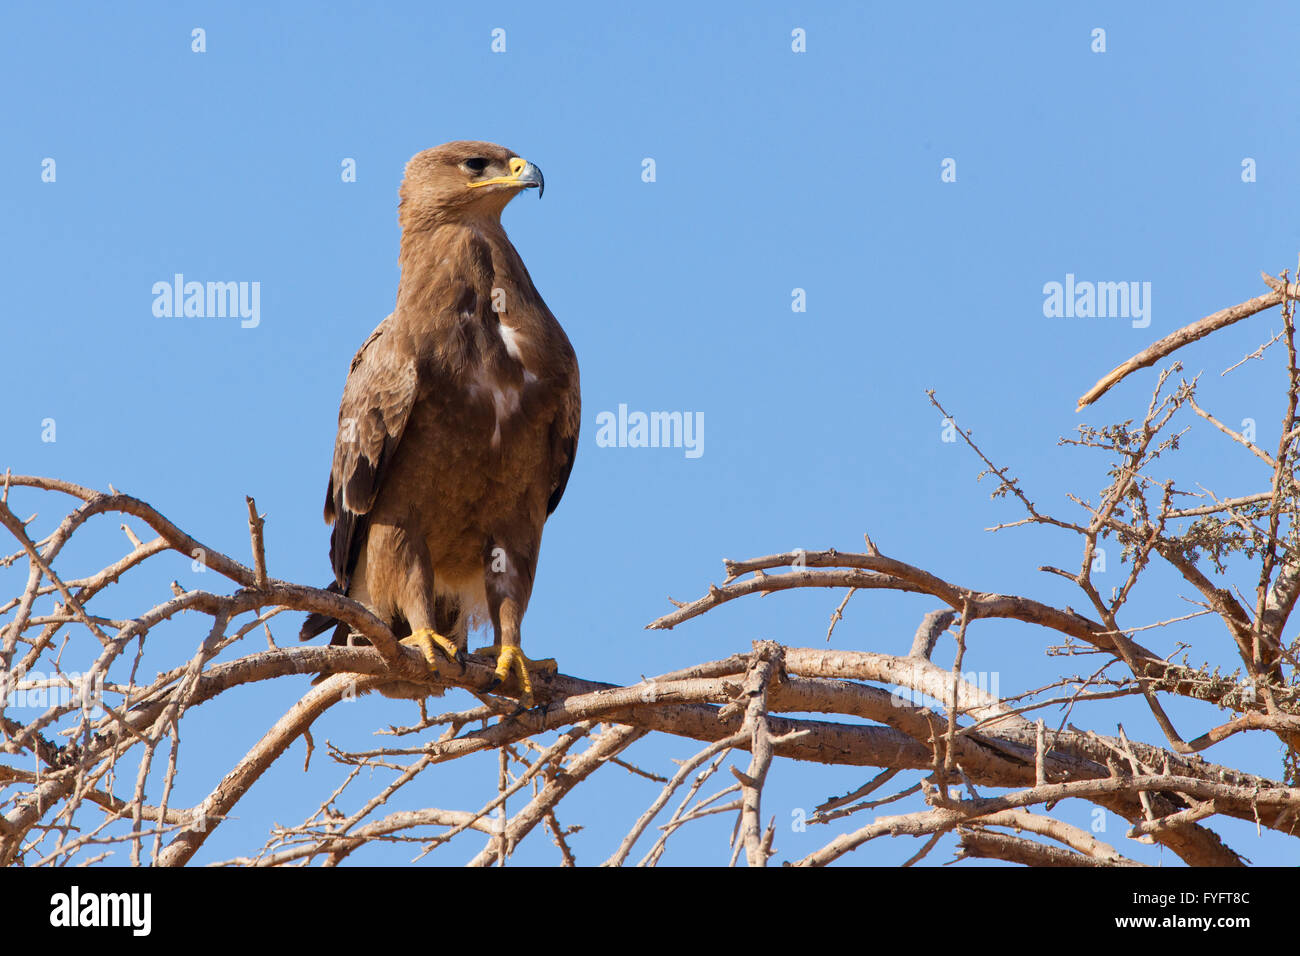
point(93, 766)
point(1191, 333)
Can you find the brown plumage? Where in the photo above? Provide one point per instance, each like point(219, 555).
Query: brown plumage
point(459, 420)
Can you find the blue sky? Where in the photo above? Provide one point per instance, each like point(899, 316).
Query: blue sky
point(775, 171)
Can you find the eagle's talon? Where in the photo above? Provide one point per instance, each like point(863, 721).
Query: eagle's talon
point(511, 662)
point(426, 639)
point(528, 706)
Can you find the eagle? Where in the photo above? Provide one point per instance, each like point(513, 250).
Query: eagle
point(458, 424)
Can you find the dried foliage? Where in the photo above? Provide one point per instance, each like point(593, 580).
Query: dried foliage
point(91, 769)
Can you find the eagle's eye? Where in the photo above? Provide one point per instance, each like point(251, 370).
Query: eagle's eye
point(476, 165)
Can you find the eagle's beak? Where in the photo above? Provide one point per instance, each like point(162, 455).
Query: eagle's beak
point(528, 175)
point(522, 174)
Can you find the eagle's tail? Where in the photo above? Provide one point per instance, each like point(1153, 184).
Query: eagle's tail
point(320, 623)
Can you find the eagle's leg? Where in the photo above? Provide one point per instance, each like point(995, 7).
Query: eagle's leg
point(509, 655)
point(410, 577)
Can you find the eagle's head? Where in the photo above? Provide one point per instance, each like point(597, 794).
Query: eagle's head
point(463, 179)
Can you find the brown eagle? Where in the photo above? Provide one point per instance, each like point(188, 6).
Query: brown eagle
point(458, 424)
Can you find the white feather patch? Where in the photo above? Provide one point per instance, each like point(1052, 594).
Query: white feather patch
point(505, 399)
point(512, 339)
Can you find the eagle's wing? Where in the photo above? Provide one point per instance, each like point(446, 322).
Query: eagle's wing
point(377, 400)
point(564, 439)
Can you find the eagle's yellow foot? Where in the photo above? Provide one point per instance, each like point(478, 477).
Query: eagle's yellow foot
point(511, 660)
point(426, 639)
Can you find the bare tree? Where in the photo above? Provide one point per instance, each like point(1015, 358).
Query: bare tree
point(77, 781)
